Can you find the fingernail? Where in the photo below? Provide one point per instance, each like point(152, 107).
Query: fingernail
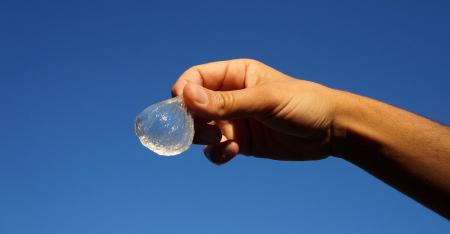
point(200, 95)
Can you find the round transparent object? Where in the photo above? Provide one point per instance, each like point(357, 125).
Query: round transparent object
point(166, 128)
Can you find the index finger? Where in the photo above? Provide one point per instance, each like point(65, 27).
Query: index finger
point(222, 75)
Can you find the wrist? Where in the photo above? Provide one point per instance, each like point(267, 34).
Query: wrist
point(346, 115)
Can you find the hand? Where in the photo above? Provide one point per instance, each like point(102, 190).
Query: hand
point(245, 107)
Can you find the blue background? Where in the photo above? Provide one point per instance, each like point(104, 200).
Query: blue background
point(75, 73)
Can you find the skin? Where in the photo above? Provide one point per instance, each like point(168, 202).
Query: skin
point(245, 107)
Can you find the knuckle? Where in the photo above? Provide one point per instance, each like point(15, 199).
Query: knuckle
point(249, 61)
point(225, 103)
point(191, 70)
point(253, 65)
point(253, 75)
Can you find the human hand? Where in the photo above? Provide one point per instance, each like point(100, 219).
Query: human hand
point(244, 107)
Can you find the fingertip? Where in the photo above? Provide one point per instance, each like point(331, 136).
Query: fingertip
point(195, 96)
point(232, 149)
point(221, 153)
point(188, 91)
point(177, 88)
point(191, 75)
point(188, 94)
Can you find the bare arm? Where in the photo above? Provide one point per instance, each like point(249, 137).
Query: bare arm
point(245, 107)
point(407, 151)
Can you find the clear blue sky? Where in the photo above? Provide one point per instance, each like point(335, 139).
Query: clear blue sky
point(75, 73)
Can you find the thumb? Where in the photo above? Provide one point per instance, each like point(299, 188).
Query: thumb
point(210, 104)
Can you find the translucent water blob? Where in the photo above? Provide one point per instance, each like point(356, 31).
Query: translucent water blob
point(166, 128)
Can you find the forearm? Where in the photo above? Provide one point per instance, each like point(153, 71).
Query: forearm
point(407, 151)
